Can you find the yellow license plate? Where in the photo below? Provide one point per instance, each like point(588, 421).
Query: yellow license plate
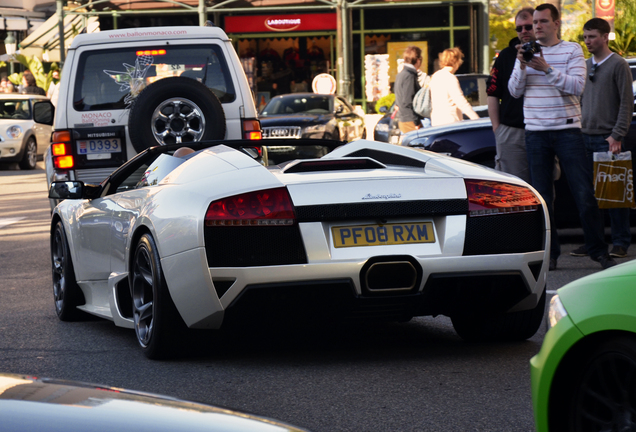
point(380, 235)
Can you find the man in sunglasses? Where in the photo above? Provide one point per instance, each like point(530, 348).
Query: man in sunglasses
point(552, 82)
point(506, 112)
point(606, 106)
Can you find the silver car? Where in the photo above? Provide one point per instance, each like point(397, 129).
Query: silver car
point(25, 128)
point(214, 238)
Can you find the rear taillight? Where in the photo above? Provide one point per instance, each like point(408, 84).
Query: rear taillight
point(61, 150)
point(271, 207)
point(252, 129)
point(491, 197)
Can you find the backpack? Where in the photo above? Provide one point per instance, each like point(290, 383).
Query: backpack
point(422, 103)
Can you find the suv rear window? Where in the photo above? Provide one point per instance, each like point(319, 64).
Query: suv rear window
point(111, 79)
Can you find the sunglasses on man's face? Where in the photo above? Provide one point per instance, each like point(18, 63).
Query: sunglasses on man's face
point(593, 71)
point(527, 27)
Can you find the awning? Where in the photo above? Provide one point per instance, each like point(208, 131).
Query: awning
point(47, 36)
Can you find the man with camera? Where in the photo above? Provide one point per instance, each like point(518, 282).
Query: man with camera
point(606, 106)
point(551, 77)
point(506, 112)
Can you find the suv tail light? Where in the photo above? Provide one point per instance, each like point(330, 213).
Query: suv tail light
point(491, 197)
point(252, 129)
point(61, 150)
point(270, 207)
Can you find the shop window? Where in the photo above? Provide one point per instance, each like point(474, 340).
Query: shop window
point(463, 41)
point(286, 64)
point(396, 18)
point(461, 15)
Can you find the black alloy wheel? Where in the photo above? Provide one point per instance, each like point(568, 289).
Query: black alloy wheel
point(66, 293)
point(158, 324)
point(603, 395)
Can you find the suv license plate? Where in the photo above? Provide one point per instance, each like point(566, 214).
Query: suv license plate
point(381, 235)
point(99, 146)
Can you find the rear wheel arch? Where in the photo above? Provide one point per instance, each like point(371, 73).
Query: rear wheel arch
point(140, 231)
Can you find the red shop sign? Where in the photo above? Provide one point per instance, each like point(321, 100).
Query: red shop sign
point(605, 9)
point(280, 23)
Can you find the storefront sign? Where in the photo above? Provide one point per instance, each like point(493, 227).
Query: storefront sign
point(324, 84)
point(605, 9)
point(280, 23)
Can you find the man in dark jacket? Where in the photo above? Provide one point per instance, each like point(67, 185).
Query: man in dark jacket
point(506, 112)
point(405, 87)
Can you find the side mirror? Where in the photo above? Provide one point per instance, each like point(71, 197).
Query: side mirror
point(340, 109)
point(66, 190)
point(43, 112)
point(73, 190)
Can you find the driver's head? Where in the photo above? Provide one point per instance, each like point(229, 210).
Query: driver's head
point(182, 151)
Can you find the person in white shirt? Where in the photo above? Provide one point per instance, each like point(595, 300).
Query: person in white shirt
point(448, 99)
point(54, 88)
point(552, 83)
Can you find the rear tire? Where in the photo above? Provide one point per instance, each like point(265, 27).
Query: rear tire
point(30, 157)
point(175, 110)
point(514, 326)
point(66, 293)
point(158, 325)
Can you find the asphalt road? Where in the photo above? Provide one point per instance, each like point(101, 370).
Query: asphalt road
point(414, 376)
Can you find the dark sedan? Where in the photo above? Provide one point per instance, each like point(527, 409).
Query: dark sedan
point(309, 115)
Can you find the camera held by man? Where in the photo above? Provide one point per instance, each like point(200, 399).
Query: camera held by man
point(530, 49)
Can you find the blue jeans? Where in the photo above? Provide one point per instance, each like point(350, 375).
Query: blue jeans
point(619, 218)
point(568, 145)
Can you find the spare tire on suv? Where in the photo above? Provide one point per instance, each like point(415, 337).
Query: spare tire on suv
point(174, 111)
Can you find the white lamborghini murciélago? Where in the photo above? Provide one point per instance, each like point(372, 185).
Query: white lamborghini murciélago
point(370, 230)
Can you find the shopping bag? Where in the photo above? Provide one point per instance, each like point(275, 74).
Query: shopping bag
point(422, 102)
point(613, 180)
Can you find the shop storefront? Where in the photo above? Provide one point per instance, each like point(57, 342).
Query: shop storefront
point(283, 53)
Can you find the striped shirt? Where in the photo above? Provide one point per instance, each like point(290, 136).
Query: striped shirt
point(552, 102)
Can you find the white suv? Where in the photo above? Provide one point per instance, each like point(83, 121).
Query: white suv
point(125, 90)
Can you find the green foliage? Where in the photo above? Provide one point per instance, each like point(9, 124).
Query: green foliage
point(577, 12)
point(386, 101)
point(625, 28)
point(502, 22)
point(42, 79)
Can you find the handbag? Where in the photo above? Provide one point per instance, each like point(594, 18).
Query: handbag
point(613, 180)
point(422, 102)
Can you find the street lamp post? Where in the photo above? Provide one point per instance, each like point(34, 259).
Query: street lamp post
point(10, 45)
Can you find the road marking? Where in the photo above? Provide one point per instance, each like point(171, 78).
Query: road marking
point(551, 292)
point(8, 221)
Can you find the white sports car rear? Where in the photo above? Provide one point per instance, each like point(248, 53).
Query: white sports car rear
point(370, 230)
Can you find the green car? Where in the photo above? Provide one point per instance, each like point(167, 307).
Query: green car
point(584, 377)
